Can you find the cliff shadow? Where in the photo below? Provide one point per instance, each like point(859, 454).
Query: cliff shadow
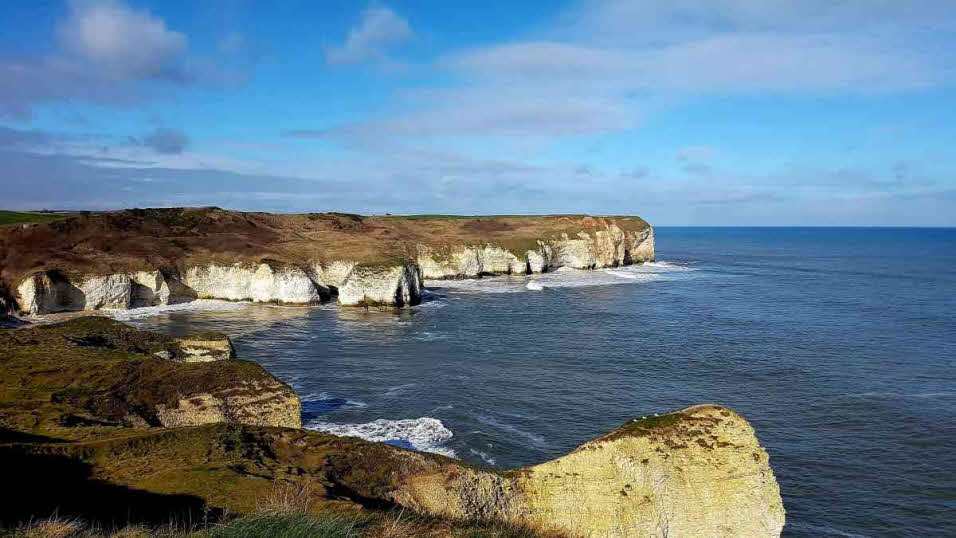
point(42, 485)
point(66, 296)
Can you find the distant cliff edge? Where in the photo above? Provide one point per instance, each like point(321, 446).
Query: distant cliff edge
point(147, 257)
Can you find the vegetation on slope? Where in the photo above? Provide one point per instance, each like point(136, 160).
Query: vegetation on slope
point(176, 238)
point(98, 373)
point(25, 217)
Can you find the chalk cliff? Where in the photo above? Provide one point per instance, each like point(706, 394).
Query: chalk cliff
point(699, 471)
point(137, 258)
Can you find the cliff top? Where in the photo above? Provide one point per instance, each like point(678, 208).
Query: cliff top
point(137, 239)
point(85, 377)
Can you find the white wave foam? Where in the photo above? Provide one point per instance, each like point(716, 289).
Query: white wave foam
point(483, 455)
point(622, 274)
point(566, 277)
point(667, 265)
point(325, 396)
point(426, 336)
point(399, 389)
point(425, 434)
point(199, 305)
point(535, 439)
point(432, 300)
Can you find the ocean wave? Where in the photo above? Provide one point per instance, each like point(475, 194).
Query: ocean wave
point(199, 305)
point(903, 395)
point(318, 404)
point(533, 438)
point(430, 299)
point(424, 434)
point(426, 336)
point(566, 277)
point(392, 391)
point(483, 455)
point(667, 265)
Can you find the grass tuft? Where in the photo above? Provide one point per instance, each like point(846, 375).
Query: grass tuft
point(290, 525)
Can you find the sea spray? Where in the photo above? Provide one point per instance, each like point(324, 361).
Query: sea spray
point(425, 434)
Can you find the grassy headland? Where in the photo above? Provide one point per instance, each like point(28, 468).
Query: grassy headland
point(26, 217)
point(176, 238)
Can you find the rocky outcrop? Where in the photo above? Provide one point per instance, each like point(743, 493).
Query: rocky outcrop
point(608, 247)
point(52, 291)
point(695, 472)
point(263, 403)
point(265, 283)
point(398, 285)
point(110, 375)
point(354, 284)
point(203, 347)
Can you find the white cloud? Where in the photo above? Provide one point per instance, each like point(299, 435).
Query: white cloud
point(740, 62)
point(124, 42)
point(600, 68)
point(379, 28)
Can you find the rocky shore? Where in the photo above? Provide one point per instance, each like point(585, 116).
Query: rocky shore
point(136, 258)
point(130, 423)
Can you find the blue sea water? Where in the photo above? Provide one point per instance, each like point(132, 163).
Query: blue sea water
point(838, 344)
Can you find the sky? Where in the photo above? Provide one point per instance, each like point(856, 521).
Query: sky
point(685, 112)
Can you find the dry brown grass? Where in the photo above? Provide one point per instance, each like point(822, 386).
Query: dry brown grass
point(176, 238)
point(52, 527)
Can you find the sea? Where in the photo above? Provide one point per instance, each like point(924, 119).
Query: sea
point(838, 344)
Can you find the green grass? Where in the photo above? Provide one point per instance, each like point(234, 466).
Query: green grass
point(104, 367)
point(285, 524)
point(294, 525)
point(20, 217)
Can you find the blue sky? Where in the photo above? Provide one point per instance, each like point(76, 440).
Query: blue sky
point(686, 112)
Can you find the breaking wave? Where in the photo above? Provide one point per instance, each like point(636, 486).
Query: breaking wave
point(199, 305)
point(566, 277)
point(314, 404)
point(483, 455)
point(424, 434)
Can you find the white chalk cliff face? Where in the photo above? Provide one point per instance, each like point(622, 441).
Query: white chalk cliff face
point(606, 248)
point(53, 292)
point(262, 284)
point(353, 283)
point(391, 286)
point(695, 472)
